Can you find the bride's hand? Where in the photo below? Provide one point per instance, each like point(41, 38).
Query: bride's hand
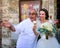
point(51, 35)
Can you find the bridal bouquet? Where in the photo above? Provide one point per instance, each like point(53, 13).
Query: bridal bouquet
point(47, 29)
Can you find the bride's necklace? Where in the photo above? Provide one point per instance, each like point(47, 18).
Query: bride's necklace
point(43, 21)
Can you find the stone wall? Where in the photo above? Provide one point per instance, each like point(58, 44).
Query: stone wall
point(51, 6)
point(51, 9)
point(10, 9)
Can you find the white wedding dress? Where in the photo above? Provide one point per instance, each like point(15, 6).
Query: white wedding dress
point(51, 42)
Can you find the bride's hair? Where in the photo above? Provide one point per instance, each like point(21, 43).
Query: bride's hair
point(46, 12)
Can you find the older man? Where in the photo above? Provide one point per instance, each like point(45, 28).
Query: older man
point(27, 37)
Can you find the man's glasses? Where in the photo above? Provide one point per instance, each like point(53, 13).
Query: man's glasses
point(32, 13)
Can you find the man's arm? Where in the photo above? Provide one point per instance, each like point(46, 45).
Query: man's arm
point(8, 25)
point(34, 30)
point(12, 28)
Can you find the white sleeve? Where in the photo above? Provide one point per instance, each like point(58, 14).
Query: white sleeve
point(18, 28)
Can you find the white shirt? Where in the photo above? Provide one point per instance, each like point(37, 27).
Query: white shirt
point(27, 38)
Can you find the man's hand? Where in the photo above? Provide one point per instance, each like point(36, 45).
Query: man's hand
point(5, 23)
point(34, 30)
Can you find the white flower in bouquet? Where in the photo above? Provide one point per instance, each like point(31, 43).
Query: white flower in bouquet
point(47, 28)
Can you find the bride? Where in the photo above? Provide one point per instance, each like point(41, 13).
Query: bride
point(51, 42)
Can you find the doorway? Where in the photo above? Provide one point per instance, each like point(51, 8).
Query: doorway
point(26, 5)
point(58, 24)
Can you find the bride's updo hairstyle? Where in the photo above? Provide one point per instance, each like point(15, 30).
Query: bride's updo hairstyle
point(46, 12)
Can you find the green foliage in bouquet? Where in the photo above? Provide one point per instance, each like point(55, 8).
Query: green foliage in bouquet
point(48, 32)
point(54, 28)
